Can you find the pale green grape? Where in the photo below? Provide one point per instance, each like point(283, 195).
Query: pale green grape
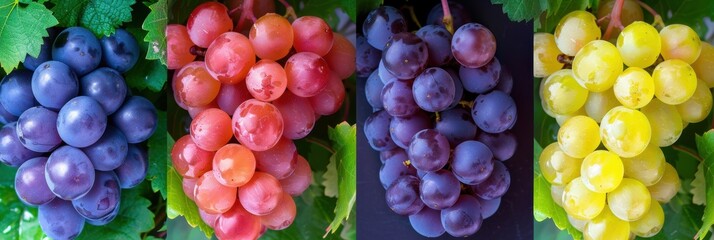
point(574, 30)
point(606, 226)
point(675, 81)
point(557, 167)
point(577, 223)
point(601, 171)
point(599, 103)
point(665, 121)
point(578, 136)
point(647, 167)
point(597, 65)
point(697, 108)
point(545, 55)
point(562, 94)
point(629, 201)
point(556, 192)
point(704, 66)
point(634, 88)
point(561, 119)
point(680, 42)
point(668, 186)
point(580, 202)
point(639, 44)
point(631, 12)
point(625, 132)
point(651, 223)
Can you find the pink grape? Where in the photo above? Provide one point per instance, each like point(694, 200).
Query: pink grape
point(312, 34)
point(237, 224)
point(257, 125)
point(282, 216)
point(266, 80)
point(307, 74)
point(279, 161)
point(341, 57)
point(210, 130)
point(233, 165)
point(194, 86)
point(189, 160)
point(298, 115)
point(271, 36)
point(207, 21)
point(230, 96)
point(212, 196)
point(330, 99)
point(229, 57)
point(261, 195)
point(178, 46)
point(296, 183)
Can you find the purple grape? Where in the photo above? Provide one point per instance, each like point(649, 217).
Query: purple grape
point(429, 150)
point(133, 170)
point(120, 50)
point(16, 92)
point(53, 84)
point(439, 189)
point(402, 129)
point(438, 42)
point(106, 86)
point(434, 90)
point(505, 81)
point(503, 145)
point(489, 207)
point(137, 119)
point(421, 173)
point(30, 183)
point(104, 220)
point(463, 218)
point(456, 125)
point(394, 168)
point(376, 129)
point(45, 54)
point(109, 151)
point(495, 185)
point(398, 153)
point(403, 195)
point(5, 116)
point(427, 222)
point(494, 112)
point(78, 48)
point(405, 55)
point(482, 79)
point(384, 74)
point(398, 100)
point(81, 122)
point(373, 90)
point(367, 57)
point(37, 129)
point(458, 87)
point(473, 162)
point(59, 220)
point(12, 151)
point(473, 45)
point(102, 199)
point(381, 24)
point(458, 13)
point(69, 173)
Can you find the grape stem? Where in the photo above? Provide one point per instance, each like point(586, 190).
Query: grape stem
point(246, 13)
point(320, 143)
point(413, 16)
point(465, 104)
point(615, 18)
point(448, 19)
point(198, 51)
point(658, 22)
point(289, 10)
point(687, 151)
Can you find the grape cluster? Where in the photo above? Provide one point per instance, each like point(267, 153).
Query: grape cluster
point(441, 120)
point(243, 188)
point(74, 130)
point(635, 97)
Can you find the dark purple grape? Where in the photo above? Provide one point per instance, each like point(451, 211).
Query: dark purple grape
point(109, 152)
point(458, 87)
point(59, 220)
point(405, 55)
point(403, 195)
point(472, 163)
point(458, 13)
point(5, 116)
point(482, 79)
point(505, 81)
point(37, 129)
point(394, 168)
point(494, 112)
point(16, 92)
point(120, 50)
point(489, 207)
point(133, 170)
point(503, 145)
point(456, 125)
point(30, 183)
point(439, 189)
point(463, 218)
point(137, 119)
point(429, 150)
point(45, 54)
point(373, 90)
point(384, 74)
point(69, 173)
point(381, 24)
point(427, 222)
point(402, 129)
point(81, 122)
point(397, 99)
point(438, 42)
point(12, 152)
point(78, 48)
point(376, 129)
point(106, 86)
point(53, 84)
point(495, 185)
point(367, 57)
point(102, 199)
point(434, 90)
point(473, 45)
point(399, 153)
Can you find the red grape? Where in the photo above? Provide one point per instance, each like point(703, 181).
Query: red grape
point(230, 96)
point(330, 99)
point(298, 115)
point(229, 57)
point(312, 34)
point(257, 125)
point(233, 165)
point(271, 36)
point(237, 224)
point(194, 86)
point(189, 184)
point(207, 21)
point(261, 195)
point(212, 196)
point(282, 216)
point(341, 57)
point(307, 74)
point(266, 80)
point(279, 161)
point(189, 160)
point(178, 46)
point(301, 178)
point(210, 130)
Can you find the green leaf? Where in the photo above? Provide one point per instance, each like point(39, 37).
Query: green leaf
point(154, 24)
point(134, 218)
point(7, 176)
point(101, 17)
point(17, 36)
point(524, 10)
point(146, 74)
point(344, 142)
point(698, 190)
point(350, 7)
point(18, 220)
point(330, 178)
point(687, 12)
point(159, 148)
point(180, 205)
point(705, 146)
point(681, 218)
point(557, 10)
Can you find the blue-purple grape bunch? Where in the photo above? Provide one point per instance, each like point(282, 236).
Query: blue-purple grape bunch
point(73, 129)
point(441, 120)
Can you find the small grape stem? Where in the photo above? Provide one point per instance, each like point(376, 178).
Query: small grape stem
point(448, 19)
point(565, 59)
point(465, 104)
point(615, 18)
point(412, 15)
point(603, 19)
point(658, 22)
point(198, 51)
point(289, 10)
point(320, 143)
point(246, 13)
point(687, 151)
point(407, 163)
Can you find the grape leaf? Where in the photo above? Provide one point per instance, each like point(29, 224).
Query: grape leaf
point(698, 190)
point(705, 146)
point(22, 28)
point(7, 176)
point(687, 12)
point(154, 24)
point(180, 205)
point(330, 178)
point(159, 148)
point(344, 141)
point(350, 7)
point(146, 73)
point(681, 218)
point(520, 10)
point(18, 220)
point(101, 17)
point(134, 218)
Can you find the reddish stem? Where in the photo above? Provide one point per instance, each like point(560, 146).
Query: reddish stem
point(289, 10)
point(615, 18)
point(657, 17)
point(198, 51)
point(448, 19)
point(246, 13)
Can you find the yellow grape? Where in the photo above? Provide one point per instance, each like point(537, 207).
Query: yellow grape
point(665, 122)
point(629, 201)
point(577, 223)
point(680, 42)
point(574, 30)
point(651, 223)
point(561, 93)
point(634, 88)
point(675, 81)
point(625, 132)
point(631, 12)
point(667, 187)
point(556, 192)
point(647, 167)
point(606, 226)
point(599, 103)
point(597, 65)
point(557, 167)
point(697, 108)
point(545, 55)
point(580, 202)
point(562, 118)
point(602, 171)
point(704, 66)
point(578, 136)
point(639, 44)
